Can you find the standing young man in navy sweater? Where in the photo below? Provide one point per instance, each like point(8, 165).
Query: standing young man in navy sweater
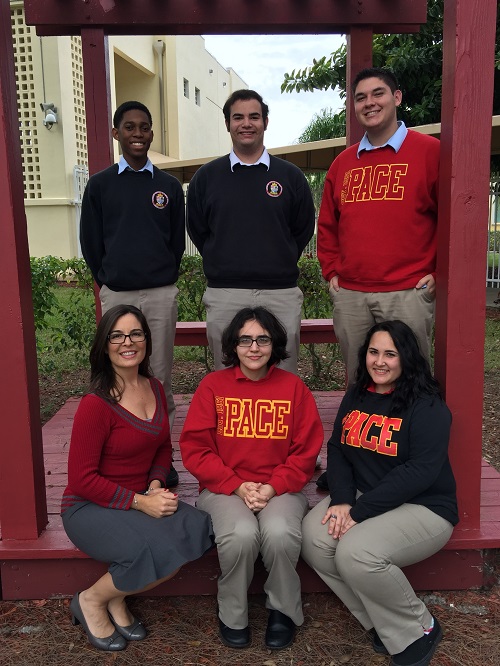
point(250, 216)
point(377, 222)
point(132, 237)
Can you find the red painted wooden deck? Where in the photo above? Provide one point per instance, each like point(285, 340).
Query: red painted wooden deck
point(51, 565)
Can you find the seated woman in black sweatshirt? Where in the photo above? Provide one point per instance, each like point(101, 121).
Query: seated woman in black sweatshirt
point(392, 494)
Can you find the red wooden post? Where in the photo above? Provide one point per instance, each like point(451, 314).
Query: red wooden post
point(97, 108)
point(23, 511)
point(97, 98)
point(359, 56)
point(468, 66)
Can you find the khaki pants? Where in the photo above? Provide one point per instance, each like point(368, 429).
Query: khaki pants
point(355, 312)
point(159, 306)
point(363, 568)
point(223, 304)
point(240, 535)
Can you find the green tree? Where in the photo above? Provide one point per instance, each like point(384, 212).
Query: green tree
point(326, 124)
point(416, 59)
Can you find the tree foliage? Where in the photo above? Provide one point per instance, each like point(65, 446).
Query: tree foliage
point(327, 124)
point(416, 59)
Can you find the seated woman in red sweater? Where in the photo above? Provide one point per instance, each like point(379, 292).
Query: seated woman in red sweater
point(251, 438)
point(116, 507)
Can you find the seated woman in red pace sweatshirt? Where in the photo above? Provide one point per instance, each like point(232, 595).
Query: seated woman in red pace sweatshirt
point(251, 438)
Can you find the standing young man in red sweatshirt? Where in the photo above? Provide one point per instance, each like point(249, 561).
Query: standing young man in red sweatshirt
point(377, 222)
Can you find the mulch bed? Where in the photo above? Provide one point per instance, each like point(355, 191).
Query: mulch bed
point(183, 631)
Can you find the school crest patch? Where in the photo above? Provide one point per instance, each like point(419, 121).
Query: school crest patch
point(274, 189)
point(159, 199)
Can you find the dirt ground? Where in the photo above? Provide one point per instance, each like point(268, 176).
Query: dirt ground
point(183, 630)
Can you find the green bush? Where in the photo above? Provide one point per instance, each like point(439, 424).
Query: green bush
point(191, 285)
point(62, 324)
point(317, 305)
point(43, 280)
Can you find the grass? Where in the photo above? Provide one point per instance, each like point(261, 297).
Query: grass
point(492, 345)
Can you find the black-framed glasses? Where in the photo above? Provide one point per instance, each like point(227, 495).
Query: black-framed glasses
point(247, 341)
point(119, 338)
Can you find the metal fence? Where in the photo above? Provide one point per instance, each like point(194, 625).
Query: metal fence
point(493, 254)
point(80, 178)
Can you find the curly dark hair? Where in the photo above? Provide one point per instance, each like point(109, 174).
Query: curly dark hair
point(130, 106)
point(268, 321)
point(415, 381)
point(103, 379)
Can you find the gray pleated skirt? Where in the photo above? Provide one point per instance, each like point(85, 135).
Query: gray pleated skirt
point(138, 548)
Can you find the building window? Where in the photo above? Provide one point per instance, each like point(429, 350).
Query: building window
point(186, 88)
point(197, 96)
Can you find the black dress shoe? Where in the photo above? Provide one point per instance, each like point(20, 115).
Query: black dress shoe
point(133, 632)
point(172, 479)
point(419, 653)
point(377, 644)
point(235, 638)
point(111, 643)
point(280, 630)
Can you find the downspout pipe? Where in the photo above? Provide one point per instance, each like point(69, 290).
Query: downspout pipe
point(159, 48)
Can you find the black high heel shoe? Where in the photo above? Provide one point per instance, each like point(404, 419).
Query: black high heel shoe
point(133, 632)
point(111, 643)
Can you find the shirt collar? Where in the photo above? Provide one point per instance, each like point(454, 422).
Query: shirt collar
point(395, 142)
point(373, 389)
point(123, 165)
point(263, 159)
point(239, 374)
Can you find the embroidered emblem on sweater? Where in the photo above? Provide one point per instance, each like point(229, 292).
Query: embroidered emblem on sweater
point(274, 189)
point(159, 199)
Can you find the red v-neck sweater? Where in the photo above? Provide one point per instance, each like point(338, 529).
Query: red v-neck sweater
point(114, 454)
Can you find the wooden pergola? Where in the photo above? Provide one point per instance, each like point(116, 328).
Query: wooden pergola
point(468, 66)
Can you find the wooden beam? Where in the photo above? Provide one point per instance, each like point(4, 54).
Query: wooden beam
point(194, 333)
point(468, 68)
point(194, 17)
point(359, 56)
point(23, 511)
point(98, 111)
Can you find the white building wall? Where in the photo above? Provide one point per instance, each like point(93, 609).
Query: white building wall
point(202, 131)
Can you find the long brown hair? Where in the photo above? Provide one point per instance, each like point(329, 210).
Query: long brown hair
point(103, 379)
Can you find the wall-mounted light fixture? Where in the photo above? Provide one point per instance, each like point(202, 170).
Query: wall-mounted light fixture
point(50, 114)
point(210, 71)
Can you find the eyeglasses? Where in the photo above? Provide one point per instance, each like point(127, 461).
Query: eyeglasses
point(247, 341)
point(119, 338)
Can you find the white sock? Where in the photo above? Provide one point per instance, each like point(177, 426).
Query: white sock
point(428, 631)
